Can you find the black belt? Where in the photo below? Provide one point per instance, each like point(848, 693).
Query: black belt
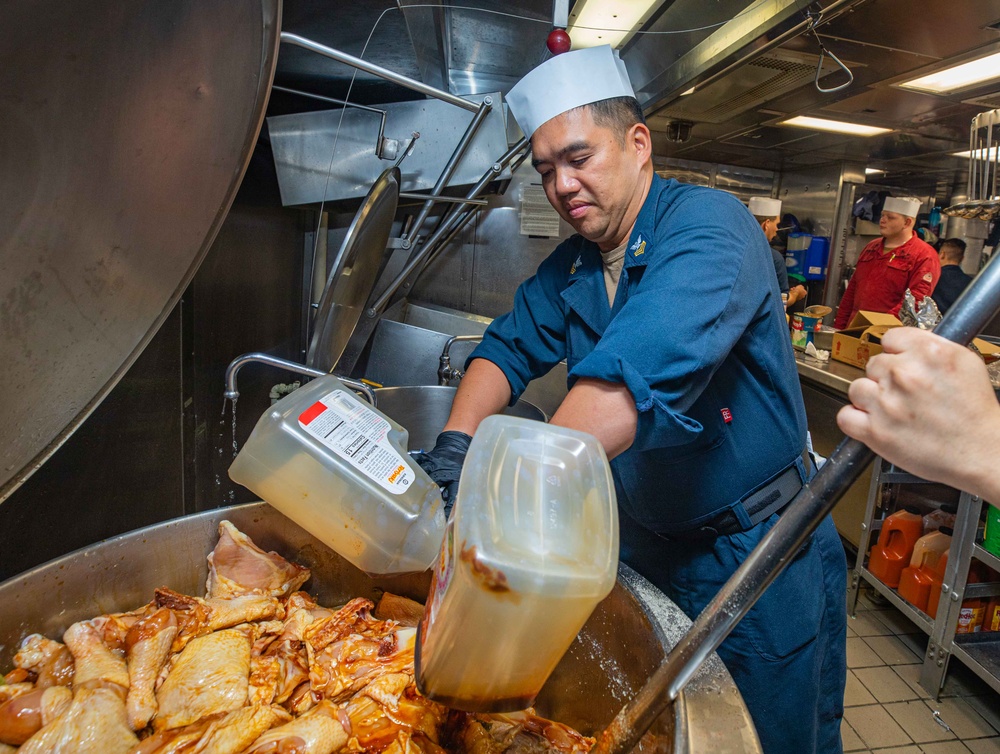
point(759, 505)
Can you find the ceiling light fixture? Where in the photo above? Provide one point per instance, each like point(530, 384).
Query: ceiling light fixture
point(835, 126)
point(873, 171)
point(956, 77)
point(980, 154)
point(608, 22)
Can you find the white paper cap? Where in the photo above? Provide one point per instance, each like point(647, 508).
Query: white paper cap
point(762, 206)
point(902, 205)
point(567, 81)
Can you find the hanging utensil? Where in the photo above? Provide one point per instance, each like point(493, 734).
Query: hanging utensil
point(971, 312)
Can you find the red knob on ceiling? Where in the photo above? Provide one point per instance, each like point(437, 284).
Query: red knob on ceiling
point(558, 41)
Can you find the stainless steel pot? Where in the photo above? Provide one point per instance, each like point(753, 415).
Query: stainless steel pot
point(624, 640)
point(424, 409)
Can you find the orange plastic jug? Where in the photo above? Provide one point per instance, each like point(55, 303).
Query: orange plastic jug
point(917, 579)
point(937, 579)
point(892, 553)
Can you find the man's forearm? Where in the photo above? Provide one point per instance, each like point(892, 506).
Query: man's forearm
point(484, 391)
point(604, 409)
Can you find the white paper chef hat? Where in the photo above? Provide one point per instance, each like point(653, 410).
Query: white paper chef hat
point(762, 206)
point(902, 205)
point(567, 81)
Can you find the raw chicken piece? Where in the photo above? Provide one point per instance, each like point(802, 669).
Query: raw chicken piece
point(237, 566)
point(94, 663)
point(50, 661)
point(318, 731)
point(95, 723)
point(391, 710)
point(350, 648)
point(177, 740)
point(404, 611)
point(24, 716)
point(237, 730)
point(197, 617)
point(211, 675)
point(343, 668)
point(8, 749)
point(10, 691)
point(516, 733)
point(147, 645)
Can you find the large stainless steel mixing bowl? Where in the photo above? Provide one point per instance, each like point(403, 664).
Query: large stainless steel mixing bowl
point(424, 409)
point(622, 643)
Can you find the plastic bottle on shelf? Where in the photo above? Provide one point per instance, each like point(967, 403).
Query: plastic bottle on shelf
point(531, 548)
point(943, 516)
point(916, 580)
point(894, 549)
point(991, 537)
point(973, 611)
point(340, 470)
point(991, 619)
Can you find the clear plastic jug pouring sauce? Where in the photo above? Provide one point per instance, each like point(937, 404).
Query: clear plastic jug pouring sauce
point(339, 469)
point(530, 550)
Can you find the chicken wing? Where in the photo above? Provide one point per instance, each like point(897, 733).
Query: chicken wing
point(50, 661)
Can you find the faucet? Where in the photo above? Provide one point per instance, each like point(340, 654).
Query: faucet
point(446, 372)
point(236, 364)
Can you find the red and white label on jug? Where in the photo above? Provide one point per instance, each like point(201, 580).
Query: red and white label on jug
point(359, 435)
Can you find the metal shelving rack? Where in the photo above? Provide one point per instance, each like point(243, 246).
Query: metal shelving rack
point(979, 652)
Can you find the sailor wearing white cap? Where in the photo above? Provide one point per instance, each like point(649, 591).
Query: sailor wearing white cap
point(766, 212)
point(667, 314)
point(889, 265)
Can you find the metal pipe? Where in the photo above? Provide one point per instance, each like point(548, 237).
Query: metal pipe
point(232, 391)
point(440, 198)
point(377, 70)
point(969, 314)
point(418, 259)
point(445, 371)
point(449, 168)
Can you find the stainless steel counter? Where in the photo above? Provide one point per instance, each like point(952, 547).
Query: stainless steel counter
point(824, 390)
point(832, 375)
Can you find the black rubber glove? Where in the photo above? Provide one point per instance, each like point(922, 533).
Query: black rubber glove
point(444, 464)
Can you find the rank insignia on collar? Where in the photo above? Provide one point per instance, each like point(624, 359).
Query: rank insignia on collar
point(577, 263)
point(639, 247)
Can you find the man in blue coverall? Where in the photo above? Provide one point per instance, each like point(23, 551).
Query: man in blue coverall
point(667, 312)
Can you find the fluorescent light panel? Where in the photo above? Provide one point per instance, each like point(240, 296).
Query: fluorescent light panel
point(873, 171)
point(609, 22)
point(979, 154)
point(958, 77)
point(836, 126)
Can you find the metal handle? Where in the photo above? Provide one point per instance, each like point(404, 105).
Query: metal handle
point(232, 392)
point(967, 316)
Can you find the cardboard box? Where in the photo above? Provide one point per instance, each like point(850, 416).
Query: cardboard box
point(862, 339)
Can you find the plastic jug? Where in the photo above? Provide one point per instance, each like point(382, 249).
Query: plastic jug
point(943, 516)
point(339, 469)
point(900, 532)
point(531, 548)
point(917, 579)
point(937, 579)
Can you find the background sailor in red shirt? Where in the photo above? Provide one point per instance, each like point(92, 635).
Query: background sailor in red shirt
point(891, 264)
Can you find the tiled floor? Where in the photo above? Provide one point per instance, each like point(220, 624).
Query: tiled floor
point(886, 708)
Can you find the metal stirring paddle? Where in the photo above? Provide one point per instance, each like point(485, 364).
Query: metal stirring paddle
point(970, 313)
